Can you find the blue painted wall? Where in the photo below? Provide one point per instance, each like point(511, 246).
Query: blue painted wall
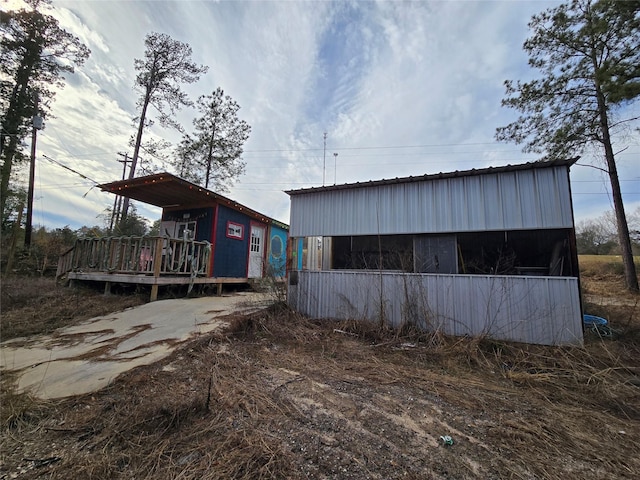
point(277, 251)
point(230, 255)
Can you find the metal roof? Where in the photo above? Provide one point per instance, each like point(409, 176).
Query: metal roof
point(436, 176)
point(523, 197)
point(168, 191)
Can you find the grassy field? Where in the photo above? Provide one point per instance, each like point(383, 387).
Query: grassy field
point(279, 396)
point(603, 264)
point(604, 291)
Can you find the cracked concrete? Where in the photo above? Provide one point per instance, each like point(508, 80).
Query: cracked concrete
point(88, 356)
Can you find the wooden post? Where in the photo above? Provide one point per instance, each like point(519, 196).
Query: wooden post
point(157, 267)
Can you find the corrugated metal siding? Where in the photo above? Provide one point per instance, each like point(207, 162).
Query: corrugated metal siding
point(542, 310)
point(523, 199)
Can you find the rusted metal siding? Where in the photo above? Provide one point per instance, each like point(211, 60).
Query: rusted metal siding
point(521, 199)
point(542, 310)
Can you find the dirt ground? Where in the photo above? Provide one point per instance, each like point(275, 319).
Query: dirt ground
point(278, 396)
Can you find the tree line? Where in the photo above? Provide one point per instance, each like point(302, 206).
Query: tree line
point(37, 53)
point(599, 236)
point(48, 243)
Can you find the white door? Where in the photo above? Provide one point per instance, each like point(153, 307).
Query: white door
point(256, 249)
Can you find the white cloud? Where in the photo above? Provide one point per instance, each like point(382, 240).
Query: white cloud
point(73, 24)
point(370, 74)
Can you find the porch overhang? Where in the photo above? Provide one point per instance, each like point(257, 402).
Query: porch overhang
point(167, 191)
point(163, 190)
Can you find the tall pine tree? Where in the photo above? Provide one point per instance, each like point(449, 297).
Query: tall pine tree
point(35, 53)
point(589, 56)
point(166, 65)
point(212, 155)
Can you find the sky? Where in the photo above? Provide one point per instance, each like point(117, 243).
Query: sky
point(399, 88)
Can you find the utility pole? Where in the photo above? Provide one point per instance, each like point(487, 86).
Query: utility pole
point(37, 125)
point(324, 158)
point(117, 202)
point(123, 202)
point(335, 167)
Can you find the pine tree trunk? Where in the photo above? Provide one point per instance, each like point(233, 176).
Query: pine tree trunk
point(10, 127)
point(630, 275)
point(210, 155)
point(136, 152)
point(7, 165)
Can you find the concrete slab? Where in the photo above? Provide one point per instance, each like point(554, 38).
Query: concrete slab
point(86, 357)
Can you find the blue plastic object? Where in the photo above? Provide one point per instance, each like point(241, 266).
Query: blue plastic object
point(593, 321)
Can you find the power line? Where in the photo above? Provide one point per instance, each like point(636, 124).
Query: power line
point(600, 181)
point(603, 193)
point(60, 185)
point(508, 148)
point(377, 147)
point(70, 169)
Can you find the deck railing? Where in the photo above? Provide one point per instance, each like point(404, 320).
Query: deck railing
point(137, 256)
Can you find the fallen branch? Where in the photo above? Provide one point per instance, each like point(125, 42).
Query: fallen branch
point(42, 462)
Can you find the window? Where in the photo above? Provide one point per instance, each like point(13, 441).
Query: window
point(186, 230)
point(369, 252)
point(255, 242)
point(235, 230)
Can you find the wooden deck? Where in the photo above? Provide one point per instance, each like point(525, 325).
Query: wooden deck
point(153, 261)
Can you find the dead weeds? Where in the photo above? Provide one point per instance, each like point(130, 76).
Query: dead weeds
point(35, 305)
point(281, 396)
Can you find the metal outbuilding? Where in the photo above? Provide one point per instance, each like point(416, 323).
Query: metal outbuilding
point(477, 252)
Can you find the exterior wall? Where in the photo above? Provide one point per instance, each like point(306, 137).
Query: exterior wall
point(517, 200)
point(230, 255)
point(542, 310)
point(277, 253)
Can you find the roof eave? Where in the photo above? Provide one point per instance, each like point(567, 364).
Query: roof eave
point(559, 162)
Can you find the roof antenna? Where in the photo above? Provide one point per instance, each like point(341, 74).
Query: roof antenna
point(324, 158)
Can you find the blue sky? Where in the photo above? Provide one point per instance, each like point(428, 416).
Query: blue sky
point(400, 88)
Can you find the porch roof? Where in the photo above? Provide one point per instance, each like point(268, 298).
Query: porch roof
point(165, 190)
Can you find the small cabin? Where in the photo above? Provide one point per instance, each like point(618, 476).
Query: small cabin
point(487, 252)
point(205, 238)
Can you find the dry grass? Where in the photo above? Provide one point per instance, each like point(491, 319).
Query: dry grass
point(35, 305)
point(605, 294)
point(604, 275)
point(280, 396)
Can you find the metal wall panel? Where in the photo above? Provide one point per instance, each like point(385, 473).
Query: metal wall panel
point(542, 310)
point(522, 199)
